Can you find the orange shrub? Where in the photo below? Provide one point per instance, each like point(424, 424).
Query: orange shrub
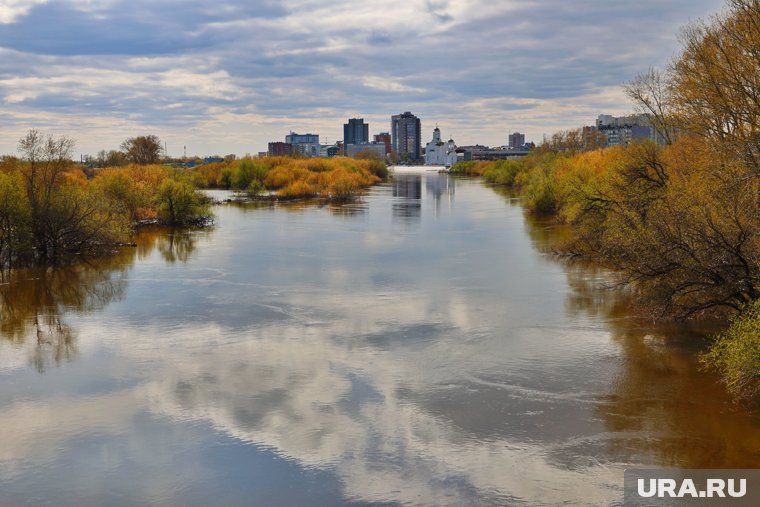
point(299, 188)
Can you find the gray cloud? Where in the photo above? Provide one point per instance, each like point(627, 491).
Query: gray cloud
point(126, 28)
point(253, 69)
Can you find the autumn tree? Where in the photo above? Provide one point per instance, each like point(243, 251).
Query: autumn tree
point(111, 158)
point(652, 95)
point(48, 158)
point(15, 217)
point(119, 186)
point(677, 226)
point(179, 203)
point(575, 140)
point(143, 150)
point(377, 164)
point(736, 354)
point(716, 81)
point(65, 216)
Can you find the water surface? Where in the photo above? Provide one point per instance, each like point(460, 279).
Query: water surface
point(413, 348)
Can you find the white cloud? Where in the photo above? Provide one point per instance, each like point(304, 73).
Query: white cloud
point(389, 84)
point(10, 10)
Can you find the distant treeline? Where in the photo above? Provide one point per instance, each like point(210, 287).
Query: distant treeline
point(679, 222)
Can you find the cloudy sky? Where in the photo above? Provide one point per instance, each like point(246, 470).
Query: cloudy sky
point(226, 76)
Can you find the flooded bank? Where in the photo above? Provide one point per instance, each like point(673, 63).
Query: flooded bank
point(416, 347)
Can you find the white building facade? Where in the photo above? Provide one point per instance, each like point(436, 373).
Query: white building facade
point(439, 153)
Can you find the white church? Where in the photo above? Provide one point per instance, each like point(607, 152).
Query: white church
point(439, 153)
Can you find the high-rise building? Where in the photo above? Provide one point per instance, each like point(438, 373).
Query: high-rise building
point(355, 131)
point(280, 149)
point(622, 130)
point(516, 140)
point(406, 136)
point(385, 138)
point(304, 144)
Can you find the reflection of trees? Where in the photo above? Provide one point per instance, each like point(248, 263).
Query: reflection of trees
point(545, 233)
point(661, 408)
point(348, 209)
point(351, 207)
point(173, 244)
point(176, 246)
point(34, 301)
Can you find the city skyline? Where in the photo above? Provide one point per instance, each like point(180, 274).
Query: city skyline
point(229, 77)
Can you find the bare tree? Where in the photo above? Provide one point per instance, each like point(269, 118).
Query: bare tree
point(651, 94)
point(716, 80)
point(143, 150)
point(65, 217)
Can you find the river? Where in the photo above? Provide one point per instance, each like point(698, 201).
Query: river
point(418, 347)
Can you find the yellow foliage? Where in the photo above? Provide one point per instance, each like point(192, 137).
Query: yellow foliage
point(299, 188)
point(338, 177)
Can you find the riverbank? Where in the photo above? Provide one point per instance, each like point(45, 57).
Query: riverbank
point(683, 236)
point(51, 211)
point(419, 337)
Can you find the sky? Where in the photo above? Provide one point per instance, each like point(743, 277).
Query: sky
point(227, 76)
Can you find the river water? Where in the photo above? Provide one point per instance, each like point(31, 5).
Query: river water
point(418, 347)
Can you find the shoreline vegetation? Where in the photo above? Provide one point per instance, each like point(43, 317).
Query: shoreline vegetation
point(53, 210)
point(679, 221)
point(287, 178)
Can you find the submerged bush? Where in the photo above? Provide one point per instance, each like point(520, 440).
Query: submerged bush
point(539, 191)
point(118, 186)
point(735, 354)
point(15, 217)
point(503, 172)
point(246, 173)
point(378, 168)
point(48, 208)
point(178, 203)
point(470, 168)
point(291, 178)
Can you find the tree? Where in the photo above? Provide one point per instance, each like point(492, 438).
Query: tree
point(368, 155)
point(248, 172)
point(48, 159)
point(65, 216)
point(652, 94)
point(119, 186)
point(15, 234)
point(678, 225)
point(179, 203)
point(575, 140)
point(111, 158)
point(143, 150)
point(736, 354)
point(716, 81)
